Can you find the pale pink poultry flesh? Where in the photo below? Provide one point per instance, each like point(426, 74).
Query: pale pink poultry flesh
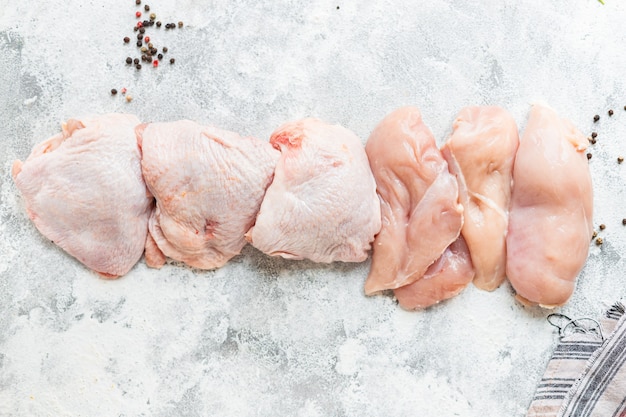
point(208, 184)
point(550, 223)
point(481, 152)
point(322, 204)
point(83, 189)
point(421, 214)
point(444, 279)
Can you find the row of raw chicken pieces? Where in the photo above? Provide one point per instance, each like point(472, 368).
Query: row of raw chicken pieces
point(483, 207)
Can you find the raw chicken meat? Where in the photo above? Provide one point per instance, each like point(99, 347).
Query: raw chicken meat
point(83, 189)
point(419, 200)
point(550, 223)
point(444, 279)
point(481, 152)
point(208, 184)
point(322, 204)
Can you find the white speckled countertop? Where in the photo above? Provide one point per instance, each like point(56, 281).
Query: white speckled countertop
point(268, 337)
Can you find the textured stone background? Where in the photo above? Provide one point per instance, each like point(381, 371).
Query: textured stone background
point(267, 337)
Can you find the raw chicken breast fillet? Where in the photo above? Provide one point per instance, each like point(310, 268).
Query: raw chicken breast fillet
point(208, 184)
point(550, 222)
point(322, 204)
point(481, 152)
point(444, 279)
point(83, 189)
point(419, 200)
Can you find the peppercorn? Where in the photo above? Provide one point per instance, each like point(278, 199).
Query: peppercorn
point(140, 36)
point(135, 29)
point(624, 222)
point(124, 90)
point(143, 58)
point(593, 236)
point(150, 46)
point(594, 135)
point(593, 141)
point(144, 49)
point(155, 63)
point(137, 13)
point(159, 25)
point(138, 2)
point(147, 38)
point(139, 43)
point(142, 30)
point(620, 159)
point(624, 107)
point(589, 156)
point(165, 49)
point(146, 23)
point(596, 118)
point(599, 241)
point(337, 7)
point(126, 39)
point(152, 16)
point(129, 98)
point(602, 226)
point(610, 112)
point(129, 60)
point(113, 91)
point(138, 66)
point(139, 24)
point(167, 26)
point(172, 61)
point(146, 8)
point(136, 61)
point(180, 24)
point(153, 51)
point(148, 58)
point(160, 56)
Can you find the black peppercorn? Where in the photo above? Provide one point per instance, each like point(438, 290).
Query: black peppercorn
point(113, 91)
point(610, 112)
point(602, 226)
point(126, 39)
point(165, 49)
point(139, 43)
point(140, 36)
point(142, 30)
point(620, 159)
point(146, 8)
point(180, 24)
point(129, 60)
point(137, 2)
point(135, 29)
point(159, 25)
point(594, 135)
point(136, 61)
point(138, 66)
point(172, 60)
point(149, 58)
point(596, 118)
point(160, 56)
point(588, 156)
point(624, 222)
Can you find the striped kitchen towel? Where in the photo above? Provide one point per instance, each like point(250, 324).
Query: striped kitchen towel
point(586, 375)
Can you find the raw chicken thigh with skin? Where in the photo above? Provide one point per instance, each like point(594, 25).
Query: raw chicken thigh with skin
point(550, 222)
point(481, 152)
point(322, 204)
point(419, 201)
point(83, 189)
point(208, 184)
point(444, 279)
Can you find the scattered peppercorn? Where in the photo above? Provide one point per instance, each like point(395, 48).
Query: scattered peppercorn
point(624, 107)
point(113, 91)
point(144, 49)
point(610, 112)
point(129, 60)
point(137, 2)
point(137, 13)
point(136, 61)
point(146, 8)
point(124, 90)
point(129, 98)
point(138, 66)
point(165, 49)
point(620, 159)
point(140, 36)
point(126, 39)
point(180, 24)
point(148, 58)
point(155, 63)
point(624, 222)
point(172, 60)
point(602, 226)
point(147, 38)
point(153, 51)
point(599, 241)
point(135, 29)
point(142, 30)
point(593, 141)
point(595, 233)
point(594, 135)
point(596, 118)
point(146, 23)
point(152, 16)
point(160, 56)
point(589, 156)
point(139, 24)
point(337, 7)
point(139, 43)
point(159, 25)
